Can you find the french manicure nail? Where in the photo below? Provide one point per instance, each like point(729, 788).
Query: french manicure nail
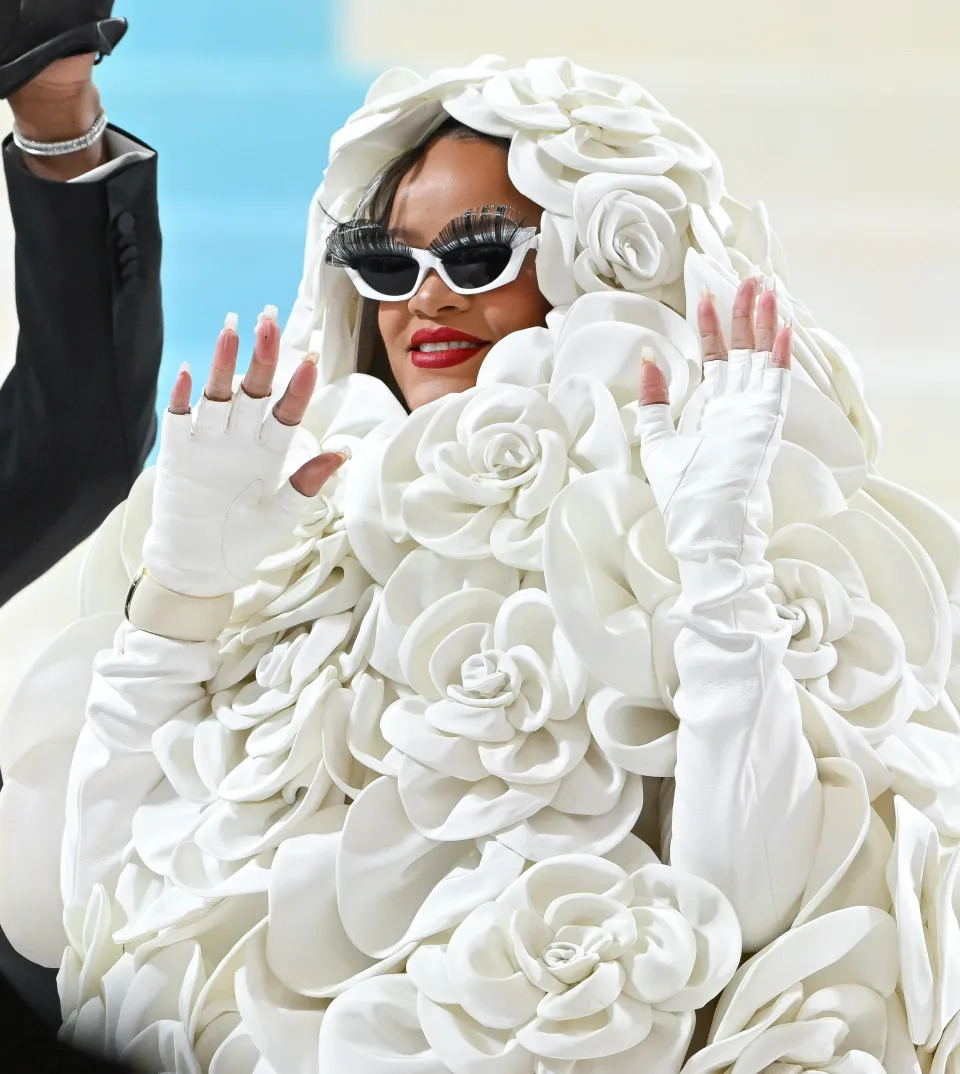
point(313, 358)
point(231, 322)
point(647, 354)
point(270, 313)
point(345, 454)
point(184, 367)
point(707, 293)
point(770, 284)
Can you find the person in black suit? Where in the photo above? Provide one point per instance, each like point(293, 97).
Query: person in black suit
point(77, 415)
point(77, 411)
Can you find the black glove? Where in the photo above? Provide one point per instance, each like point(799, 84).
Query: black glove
point(34, 33)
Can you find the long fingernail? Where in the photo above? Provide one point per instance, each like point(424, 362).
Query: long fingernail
point(313, 358)
point(647, 354)
point(184, 367)
point(270, 313)
point(345, 454)
point(231, 322)
point(707, 293)
point(770, 284)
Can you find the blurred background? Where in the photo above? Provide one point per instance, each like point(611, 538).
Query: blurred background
point(844, 118)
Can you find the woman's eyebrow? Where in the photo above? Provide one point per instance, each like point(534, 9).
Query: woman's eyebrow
point(401, 234)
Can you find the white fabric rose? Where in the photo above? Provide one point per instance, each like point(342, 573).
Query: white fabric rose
point(249, 776)
point(555, 94)
point(923, 756)
point(158, 1011)
point(924, 880)
point(579, 961)
point(921, 760)
point(632, 230)
point(870, 619)
point(474, 474)
point(417, 585)
point(571, 121)
point(946, 1058)
point(397, 87)
point(494, 738)
point(400, 108)
point(820, 998)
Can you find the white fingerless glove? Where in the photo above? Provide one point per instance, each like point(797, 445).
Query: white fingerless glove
point(712, 485)
point(219, 505)
point(747, 803)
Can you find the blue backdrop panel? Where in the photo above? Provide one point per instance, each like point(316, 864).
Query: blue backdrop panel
point(240, 98)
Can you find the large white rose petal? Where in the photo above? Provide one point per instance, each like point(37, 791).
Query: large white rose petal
point(434, 885)
point(924, 882)
point(598, 596)
point(390, 1043)
point(819, 998)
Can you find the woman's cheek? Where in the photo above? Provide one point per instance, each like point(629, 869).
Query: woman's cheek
point(525, 306)
point(390, 323)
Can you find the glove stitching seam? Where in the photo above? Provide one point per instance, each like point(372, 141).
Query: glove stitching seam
point(226, 523)
point(766, 446)
point(686, 470)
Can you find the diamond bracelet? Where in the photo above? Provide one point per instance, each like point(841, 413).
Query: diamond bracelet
point(62, 149)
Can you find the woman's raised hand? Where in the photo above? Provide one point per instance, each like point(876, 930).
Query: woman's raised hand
point(702, 481)
point(219, 505)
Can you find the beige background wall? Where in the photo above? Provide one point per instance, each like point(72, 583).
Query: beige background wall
point(842, 115)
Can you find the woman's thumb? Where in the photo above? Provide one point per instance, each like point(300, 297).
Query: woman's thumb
point(653, 383)
point(313, 475)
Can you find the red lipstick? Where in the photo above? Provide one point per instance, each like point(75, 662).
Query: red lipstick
point(438, 357)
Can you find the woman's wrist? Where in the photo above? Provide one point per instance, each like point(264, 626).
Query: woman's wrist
point(58, 113)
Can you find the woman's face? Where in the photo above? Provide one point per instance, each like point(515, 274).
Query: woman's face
point(454, 176)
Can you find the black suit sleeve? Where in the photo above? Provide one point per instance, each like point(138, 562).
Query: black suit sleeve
point(27, 1046)
point(77, 412)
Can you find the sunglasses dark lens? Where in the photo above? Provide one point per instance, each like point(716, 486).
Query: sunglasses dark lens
point(388, 274)
point(477, 266)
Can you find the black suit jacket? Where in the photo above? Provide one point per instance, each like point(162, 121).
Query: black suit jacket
point(27, 1046)
point(77, 416)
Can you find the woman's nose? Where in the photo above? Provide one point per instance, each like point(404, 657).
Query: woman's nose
point(434, 296)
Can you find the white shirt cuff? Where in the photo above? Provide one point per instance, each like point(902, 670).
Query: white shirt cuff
point(122, 151)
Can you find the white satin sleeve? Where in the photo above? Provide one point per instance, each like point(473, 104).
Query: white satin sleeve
point(747, 803)
point(138, 686)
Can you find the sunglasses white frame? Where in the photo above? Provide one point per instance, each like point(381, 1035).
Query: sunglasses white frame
point(430, 262)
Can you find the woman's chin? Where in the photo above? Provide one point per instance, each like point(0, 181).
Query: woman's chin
point(429, 386)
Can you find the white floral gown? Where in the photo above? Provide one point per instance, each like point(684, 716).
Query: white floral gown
point(392, 819)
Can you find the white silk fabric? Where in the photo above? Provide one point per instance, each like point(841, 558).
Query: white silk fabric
point(385, 822)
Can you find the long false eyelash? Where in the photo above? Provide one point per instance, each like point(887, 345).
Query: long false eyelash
point(493, 223)
point(359, 238)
